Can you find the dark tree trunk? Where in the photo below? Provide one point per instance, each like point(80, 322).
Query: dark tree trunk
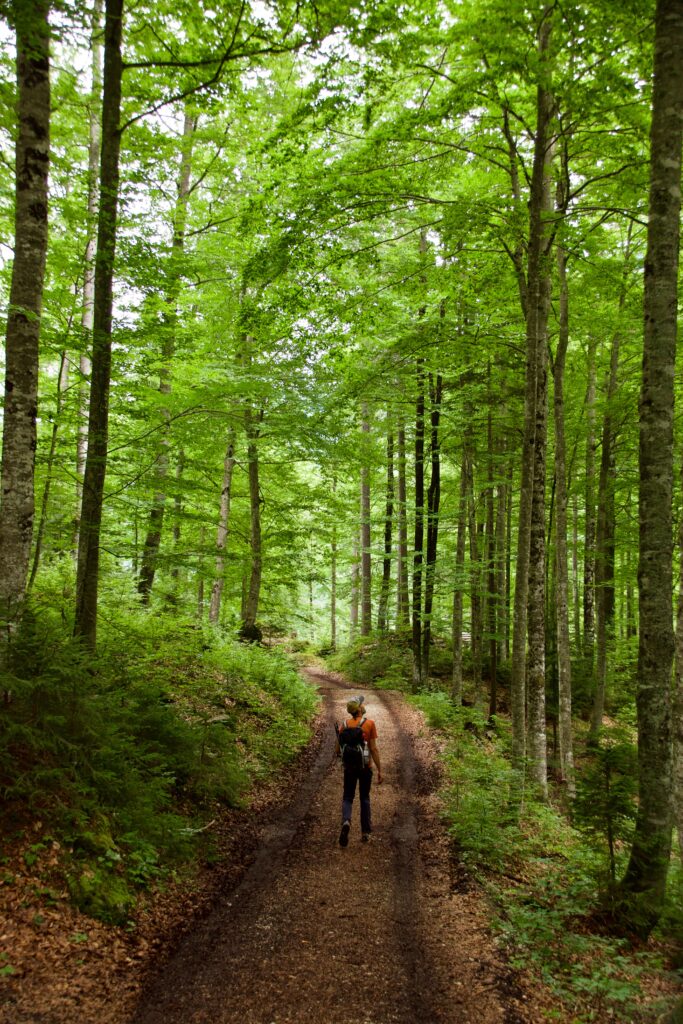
point(87, 578)
point(85, 365)
point(418, 556)
point(492, 576)
point(644, 883)
point(366, 559)
point(222, 532)
point(382, 615)
point(403, 596)
point(433, 502)
point(32, 154)
point(459, 585)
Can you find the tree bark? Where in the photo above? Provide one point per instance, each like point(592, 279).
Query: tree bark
point(32, 154)
point(150, 551)
point(222, 532)
point(366, 558)
point(403, 597)
point(355, 584)
point(459, 585)
point(491, 552)
point(589, 521)
point(418, 555)
point(249, 630)
point(94, 142)
point(333, 572)
point(87, 577)
point(643, 885)
point(561, 564)
point(382, 615)
point(532, 511)
point(433, 502)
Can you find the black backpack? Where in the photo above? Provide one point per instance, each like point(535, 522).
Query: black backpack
point(352, 745)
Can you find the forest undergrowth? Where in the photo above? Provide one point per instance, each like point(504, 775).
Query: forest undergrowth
point(113, 766)
point(549, 869)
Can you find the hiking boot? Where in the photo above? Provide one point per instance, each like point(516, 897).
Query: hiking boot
point(365, 838)
point(344, 834)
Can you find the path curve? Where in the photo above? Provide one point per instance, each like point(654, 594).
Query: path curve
point(370, 934)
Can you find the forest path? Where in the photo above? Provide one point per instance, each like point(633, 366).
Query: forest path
point(370, 934)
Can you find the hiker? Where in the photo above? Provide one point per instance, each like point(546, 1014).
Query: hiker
point(357, 744)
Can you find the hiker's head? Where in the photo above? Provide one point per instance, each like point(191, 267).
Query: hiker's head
point(353, 708)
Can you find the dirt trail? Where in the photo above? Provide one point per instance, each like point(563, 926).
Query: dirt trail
point(370, 934)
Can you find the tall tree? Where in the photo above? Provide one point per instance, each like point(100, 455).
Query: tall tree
point(32, 154)
point(644, 882)
point(87, 578)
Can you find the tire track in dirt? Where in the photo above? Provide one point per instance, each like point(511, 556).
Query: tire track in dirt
point(367, 935)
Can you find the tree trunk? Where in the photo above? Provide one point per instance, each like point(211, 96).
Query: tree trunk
point(492, 576)
point(249, 630)
point(459, 586)
point(476, 623)
point(222, 532)
point(366, 560)
point(589, 526)
point(678, 701)
point(382, 615)
point(62, 387)
point(644, 883)
point(419, 528)
point(32, 154)
point(355, 584)
point(605, 533)
point(561, 565)
point(333, 573)
point(156, 516)
point(87, 578)
point(433, 502)
point(85, 365)
point(532, 512)
point(403, 598)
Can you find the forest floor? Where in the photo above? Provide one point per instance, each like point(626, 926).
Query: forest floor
point(292, 928)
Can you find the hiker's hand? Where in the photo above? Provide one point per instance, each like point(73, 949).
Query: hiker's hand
point(379, 777)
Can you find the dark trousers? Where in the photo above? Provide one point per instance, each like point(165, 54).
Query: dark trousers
point(362, 776)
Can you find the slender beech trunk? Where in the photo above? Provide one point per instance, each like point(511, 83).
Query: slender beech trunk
point(333, 572)
point(476, 622)
point(678, 701)
point(508, 560)
point(94, 141)
point(419, 527)
point(433, 502)
point(456, 682)
point(403, 597)
point(366, 559)
point(500, 554)
point(530, 513)
point(200, 582)
point(589, 522)
point(169, 330)
point(62, 386)
point(382, 615)
point(249, 630)
point(605, 533)
point(561, 571)
point(575, 574)
point(32, 154)
point(87, 577)
point(644, 883)
point(355, 584)
point(492, 577)
point(222, 532)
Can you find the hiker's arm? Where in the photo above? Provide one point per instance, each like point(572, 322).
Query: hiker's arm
point(374, 754)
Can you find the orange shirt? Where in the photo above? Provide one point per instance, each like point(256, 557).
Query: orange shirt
point(368, 726)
